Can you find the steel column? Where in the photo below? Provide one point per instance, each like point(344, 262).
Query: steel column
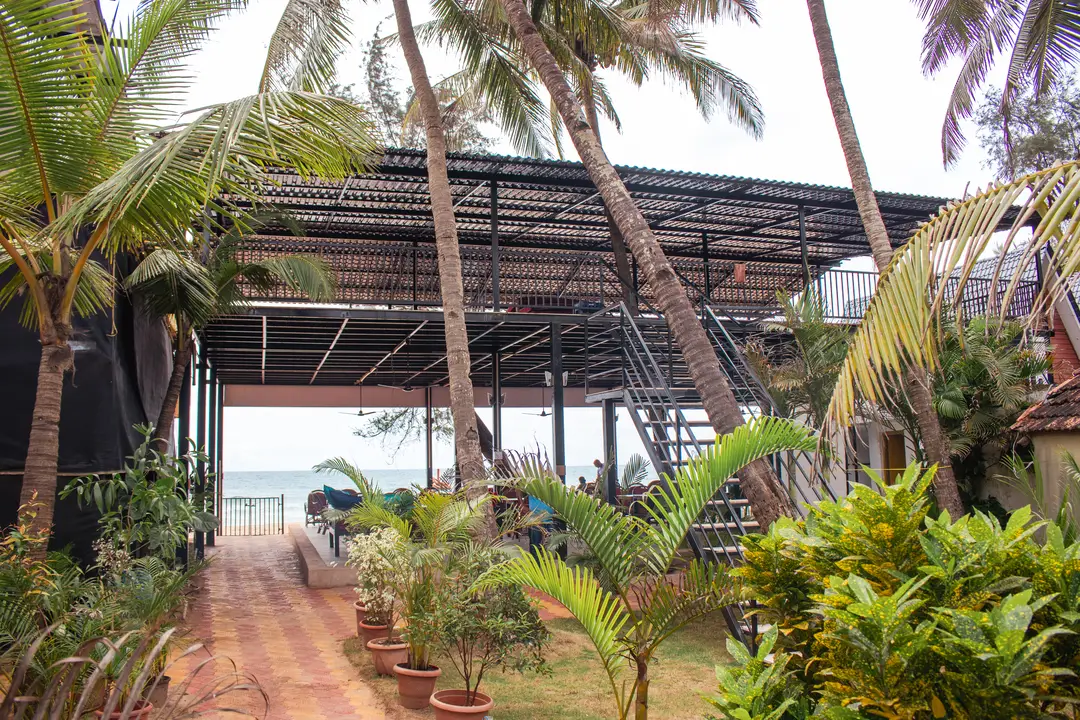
point(219, 485)
point(802, 246)
point(611, 479)
point(211, 450)
point(427, 435)
point(415, 271)
point(495, 300)
point(558, 413)
point(200, 444)
point(496, 400)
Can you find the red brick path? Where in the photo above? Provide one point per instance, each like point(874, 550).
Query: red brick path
point(255, 609)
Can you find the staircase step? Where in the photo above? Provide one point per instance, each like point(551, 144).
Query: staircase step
point(733, 502)
point(747, 524)
point(724, 549)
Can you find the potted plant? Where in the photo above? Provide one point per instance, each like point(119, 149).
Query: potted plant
point(368, 553)
point(421, 577)
point(496, 627)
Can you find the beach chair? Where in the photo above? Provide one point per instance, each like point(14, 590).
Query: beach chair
point(316, 503)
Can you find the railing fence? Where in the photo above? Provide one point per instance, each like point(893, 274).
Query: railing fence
point(252, 515)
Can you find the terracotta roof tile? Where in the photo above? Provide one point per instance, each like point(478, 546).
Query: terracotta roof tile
point(1058, 412)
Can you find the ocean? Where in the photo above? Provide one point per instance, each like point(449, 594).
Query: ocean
point(296, 484)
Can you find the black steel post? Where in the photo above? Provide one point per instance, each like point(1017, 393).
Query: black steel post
point(802, 246)
point(495, 300)
point(427, 436)
point(212, 452)
point(558, 412)
point(496, 400)
point(220, 484)
point(611, 480)
point(200, 446)
point(415, 272)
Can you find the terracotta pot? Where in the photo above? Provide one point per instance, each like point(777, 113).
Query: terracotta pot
point(385, 655)
point(450, 705)
point(414, 687)
point(142, 709)
point(160, 694)
point(371, 632)
point(361, 615)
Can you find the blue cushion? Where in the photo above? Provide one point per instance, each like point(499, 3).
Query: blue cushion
point(341, 500)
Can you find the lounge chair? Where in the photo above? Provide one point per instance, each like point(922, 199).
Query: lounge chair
point(316, 503)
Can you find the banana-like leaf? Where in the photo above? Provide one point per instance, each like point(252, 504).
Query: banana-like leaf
point(900, 327)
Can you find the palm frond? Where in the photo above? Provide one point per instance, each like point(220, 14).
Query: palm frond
point(305, 46)
point(46, 146)
point(172, 283)
point(216, 164)
point(310, 276)
point(901, 326)
point(598, 611)
point(676, 505)
point(138, 69)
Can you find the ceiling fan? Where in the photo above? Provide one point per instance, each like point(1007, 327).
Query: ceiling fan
point(361, 412)
point(543, 403)
point(407, 387)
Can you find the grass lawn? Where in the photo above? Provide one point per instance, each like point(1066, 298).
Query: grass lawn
point(577, 688)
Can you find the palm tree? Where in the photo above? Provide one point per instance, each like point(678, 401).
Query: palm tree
point(630, 605)
point(638, 40)
point(1041, 38)
point(901, 329)
point(915, 383)
point(470, 461)
point(176, 284)
point(759, 481)
point(87, 169)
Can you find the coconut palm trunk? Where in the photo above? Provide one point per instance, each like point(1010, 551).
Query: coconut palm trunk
point(759, 482)
point(181, 358)
point(915, 383)
point(462, 404)
point(43, 449)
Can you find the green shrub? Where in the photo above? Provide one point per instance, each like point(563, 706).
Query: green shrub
point(878, 610)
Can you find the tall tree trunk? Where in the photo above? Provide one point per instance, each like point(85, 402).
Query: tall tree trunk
point(916, 387)
point(618, 245)
point(462, 402)
point(43, 450)
point(181, 358)
point(759, 482)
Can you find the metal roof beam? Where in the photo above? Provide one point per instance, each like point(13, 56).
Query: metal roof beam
point(393, 352)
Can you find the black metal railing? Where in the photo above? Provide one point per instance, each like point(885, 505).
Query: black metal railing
point(252, 515)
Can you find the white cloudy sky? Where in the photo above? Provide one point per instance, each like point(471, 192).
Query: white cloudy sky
point(897, 111)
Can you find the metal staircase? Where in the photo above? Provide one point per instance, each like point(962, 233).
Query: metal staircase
point(635, 361)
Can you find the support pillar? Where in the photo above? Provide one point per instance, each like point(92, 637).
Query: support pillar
point(415, 272)
point(802, 246)
point(427, 435)
point(558, 413)
point(184, 414)
point(212, 451)
point(200, 445)
point(496, 401)
point(495, 300)
point(611, 479)
point(220, 484)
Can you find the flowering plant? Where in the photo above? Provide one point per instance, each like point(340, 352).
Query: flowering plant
point(373, 556)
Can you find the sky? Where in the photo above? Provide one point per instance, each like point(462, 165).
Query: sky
point(897, 112)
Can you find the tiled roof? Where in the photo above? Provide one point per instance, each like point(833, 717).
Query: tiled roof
point(1058, 412)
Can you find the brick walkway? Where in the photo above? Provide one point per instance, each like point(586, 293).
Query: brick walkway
point(255, 609)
